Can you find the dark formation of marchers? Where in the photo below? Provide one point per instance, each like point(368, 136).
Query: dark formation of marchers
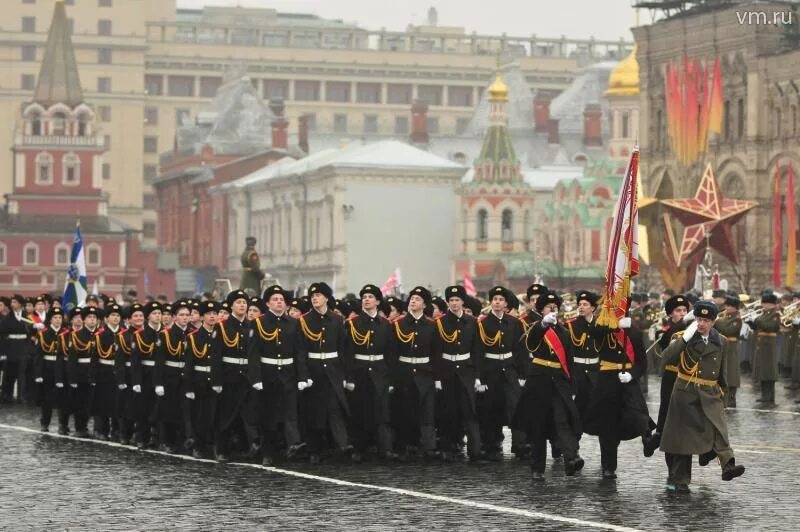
point(280, 377)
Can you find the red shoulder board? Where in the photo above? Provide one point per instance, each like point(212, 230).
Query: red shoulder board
point(121, 330)
point(100, 331)
point(305, 314)
point(524, 316)
point(439, 317)
point(397, 319)
point(571, 320)
point(430, 319)
point(63, 332)
point(192, 332)
point(384, 318)
point(482, 317)
point(137, 331)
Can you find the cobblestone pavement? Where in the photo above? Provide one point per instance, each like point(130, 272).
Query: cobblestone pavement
point(54, 483)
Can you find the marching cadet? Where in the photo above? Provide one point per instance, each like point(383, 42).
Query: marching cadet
point(298, 306)
point(532, 293)
point(438, 307)
point(16, 331)
point(502, 364)
point(80, 354)
point(617, 410)
point(254, 308)
point(367, 344)
point(229, 377)
point(417, 348)
point(676, 307)
point(224, 311)
point(696, 419)
point(195, 319)
point(546, 409)
point(729, 324)
point(168, 356)
point(61, 374)
point(585, 353)
point(125, 343)
point(321, 344)
point(103, 374)
point(765, 362)
point(458, 375)
point(201, 398)
point(396, 308)
point(167, 316)
point(277, 374)
point(145, 341)
point(251, 267)
point(44, 367)
point(786, 339)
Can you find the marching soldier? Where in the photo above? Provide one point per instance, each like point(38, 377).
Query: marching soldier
point(44, 367)
point(201, 399)
point(251, 267)
point(532, 293)
point(786, 339)
point(277, 374)
point(367, 344)
point(696, 419)
point(730, 325)
point(502, 364)
point(255, 307)
point(145, 341)
point(458, 374)
point(546, 409)
point(765, 362)
point(81, 352)
point(125, 343)
point(167, 373)
point(321, 346)
point(581, 333)
point(103, 375)
point(417, 347)
point(60, 370)
point(16, 331)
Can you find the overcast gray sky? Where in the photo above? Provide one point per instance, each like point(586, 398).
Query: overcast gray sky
point(604, 19)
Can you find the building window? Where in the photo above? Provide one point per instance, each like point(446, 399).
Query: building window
point(625, 120)
point(340, 123)
point(507, 219)
point(62, 254)
point(276, 89)
point(370, 124)
point(368, 93)
point(433, 125)
point(740, 119)
point(430, 93)
point(28, 52)
point(794, 120)
point(29, 24)
point(103, 3)
point(180, 86)
point(311, 122)
point(93, 255)
point(104, 113)
point(151, 116)
point(149, 230)
point(483, 225)
point(104, 56)
point(71, 169)
point(726, 114)
point(28, 1)
point(181, 116)
point(459, 96)
point(462, 124)
point(36, 124)
point(104, 84)
point(209, 86)
point(778, 123)
point(106, 171)
point(28, 82)
point(44, 169)
point(337, 91)
point(70, 26)
point(58, 124)
point(107, 141)
point(151, 144)
point(2, 254)
point(104, 27)
point(306, 91)
point(398, 93)
point(30, 254)
point(401, 125)
point(154, 85)
point(150, 172)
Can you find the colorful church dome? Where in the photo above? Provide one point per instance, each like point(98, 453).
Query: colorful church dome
point(624, 79)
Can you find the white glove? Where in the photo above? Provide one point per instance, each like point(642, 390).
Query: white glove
point(745, 331)
point(38, 326)
point(302, 385)
point(483, 388)
point(39, 379)
point(478, 385)
point(189, 395)
point(93, 383)
point(258, 386)
point(689, 332)
point(625, 377)
point(159, 391)
point(625, 323)
point(550, 319)
point(796, 321)
point(217, 389)
point(121, 386)
point(437, 385)
point(651, 334)
point(59, 385)
point(136, 388)
point(73, 385)
point(349, 386)
point(521, 382)
point(688, 317)
point(391, 389)
point(309, 383)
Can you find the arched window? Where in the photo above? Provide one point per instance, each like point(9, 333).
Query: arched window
point(659, 127)
point(625, 125)
point(71, 169)
point(58, 124)
point(726, 124)
point(507, 232)
point(93, 256)
point(483, 222)
point(61, 254)
point(794, 120)
point(778, 123)
point(30, 254)
point(740, 118)
point(83, 125)
point(44, 169)
point(2, 254)
point(36, 124)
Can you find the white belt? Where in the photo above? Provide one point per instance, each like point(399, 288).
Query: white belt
point(231, 360)
point(579, 360)
point(17, 336)
point(323, 356)
point(455, 358)
point(84, 360)
point(415, 360)
point(148, 362)
point(50, 358)
point(277, 361)
point(498, 356)
point(204, 369)
point(105, 361)
point(173, 364)
point(369, 358)
point(127, 364)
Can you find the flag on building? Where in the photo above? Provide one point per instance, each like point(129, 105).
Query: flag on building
point(392, 284)
point(623, 252)
point(469, 286)
point(75, 288)
point(778, 247)
point(791, 229)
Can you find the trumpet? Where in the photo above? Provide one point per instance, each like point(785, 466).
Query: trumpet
point(789, 312)
point(752, 314)
point(569, 314)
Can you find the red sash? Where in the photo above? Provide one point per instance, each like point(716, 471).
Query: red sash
point(622, 339)
point(554, 342)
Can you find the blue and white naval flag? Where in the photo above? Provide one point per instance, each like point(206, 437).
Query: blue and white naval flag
point(75, 288)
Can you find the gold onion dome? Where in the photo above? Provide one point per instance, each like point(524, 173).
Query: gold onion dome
point(498, 91)
point(624, 79)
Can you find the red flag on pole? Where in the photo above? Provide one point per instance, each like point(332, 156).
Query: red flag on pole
point(791, 229)
point(392, 284)
point(777, 252)
point(469, 286)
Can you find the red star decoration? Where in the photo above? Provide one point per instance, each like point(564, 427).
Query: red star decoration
point(708, 213)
